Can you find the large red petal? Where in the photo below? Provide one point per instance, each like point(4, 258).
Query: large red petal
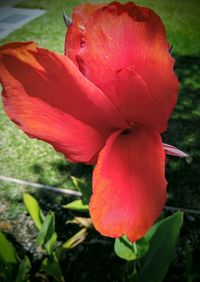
point(74, 32)
point(129, 186)
point(135, 101)
point(117, 36)
point(75, 139)
point(47, 96)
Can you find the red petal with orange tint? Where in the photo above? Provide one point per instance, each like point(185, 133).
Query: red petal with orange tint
point(129, 186)
point(47, 96)
point(76, 30)
point(135, 101)
point(76, 140)
point(117, 36)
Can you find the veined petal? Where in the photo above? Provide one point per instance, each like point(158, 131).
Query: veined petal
point(74, 33)
point(75, 139)
point(117, 36)
point(135, 101)
point(46, 95)
point(129, 186)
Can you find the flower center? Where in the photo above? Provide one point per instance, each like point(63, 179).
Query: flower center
point(128, 130)
point(131, 124)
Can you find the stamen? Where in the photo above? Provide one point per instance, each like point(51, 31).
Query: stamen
point(82, 27)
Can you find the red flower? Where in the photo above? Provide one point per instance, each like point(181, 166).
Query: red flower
point(105, 102)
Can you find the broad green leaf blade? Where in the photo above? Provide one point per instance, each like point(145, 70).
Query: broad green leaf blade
point(49, 246)
point(77, 206)
point(24, 268)
point(51, 266)
point(163, 237)
point(130, 251)
point(7, 250)
point(141, 247)
point(154, 228)
point(47, 229)
point(33, 209)
point(76, 239)
point(83, 188)
point(124, 249)
point(42, 216)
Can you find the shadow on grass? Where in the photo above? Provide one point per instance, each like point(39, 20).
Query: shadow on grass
point(59, 173)
point(184, 132)
point(183, 177)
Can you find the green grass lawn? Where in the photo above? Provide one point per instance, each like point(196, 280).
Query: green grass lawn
point(25, 158)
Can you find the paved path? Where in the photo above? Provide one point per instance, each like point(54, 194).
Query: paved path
point(13, 18)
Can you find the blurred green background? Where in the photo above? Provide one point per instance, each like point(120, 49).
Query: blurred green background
point(25, 158)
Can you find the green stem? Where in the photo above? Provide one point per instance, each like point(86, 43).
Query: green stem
point(135, 248)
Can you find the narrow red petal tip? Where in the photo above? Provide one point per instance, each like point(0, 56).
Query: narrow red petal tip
point(173, 151)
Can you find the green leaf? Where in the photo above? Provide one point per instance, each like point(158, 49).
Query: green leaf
point(84, 188)
point(49, 246)
point(162, 236)
point(33, 209)
point(46, 236)
point(51, 266)
point(76, 239)
point(24, 268)
point(124, 249)
point(142, 246)
point(130, 251)
point(77, 206)
point(7, 250)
